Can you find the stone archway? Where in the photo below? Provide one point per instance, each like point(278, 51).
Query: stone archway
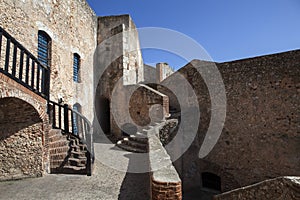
point(21, 139)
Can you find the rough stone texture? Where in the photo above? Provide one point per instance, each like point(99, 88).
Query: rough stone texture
point(260, 139)
point(165, 182)
point(118, 64)
point(167, 132)
point(29, 114)
point(148, 106)
point(280, 188)
point(21, 134)
point(163, 70)
point(63, 21)
point(149, 74)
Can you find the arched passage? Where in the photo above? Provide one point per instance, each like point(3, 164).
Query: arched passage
point(211, 181)
point(21, 140)
point(103, 113)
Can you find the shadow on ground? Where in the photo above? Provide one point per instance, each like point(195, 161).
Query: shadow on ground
point(135, 186)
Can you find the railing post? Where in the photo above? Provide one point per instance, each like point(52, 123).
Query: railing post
point(66, 118)
point(90, 152)
point(46, 83)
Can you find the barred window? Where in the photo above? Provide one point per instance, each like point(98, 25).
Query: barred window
point(44, 48)
point(76, 68)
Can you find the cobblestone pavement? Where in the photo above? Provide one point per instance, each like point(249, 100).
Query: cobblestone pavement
point(105, 184)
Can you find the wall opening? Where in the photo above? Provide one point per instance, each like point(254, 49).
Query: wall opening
point(44, 48)
point(103, 114)
point(211, 181)
point(21, 140)
point(76, 68)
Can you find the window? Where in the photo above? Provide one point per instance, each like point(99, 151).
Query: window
point(211, 181)
point(44, 48)
point(76, 68)
point(76, 123)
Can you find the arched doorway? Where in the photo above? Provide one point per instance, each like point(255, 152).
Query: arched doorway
point(21, 140)
point(103, 114)
point(211, 181)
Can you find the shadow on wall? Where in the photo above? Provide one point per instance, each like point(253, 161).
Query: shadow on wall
point(15, 115)
point(21, 136)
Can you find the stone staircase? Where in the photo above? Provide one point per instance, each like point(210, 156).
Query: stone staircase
point(67, 153)
point(137, 143)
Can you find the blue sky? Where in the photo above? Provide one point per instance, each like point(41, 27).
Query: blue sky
point(227, 29)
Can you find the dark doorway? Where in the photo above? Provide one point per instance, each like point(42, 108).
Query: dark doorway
point(211, 181)
point(104, 114)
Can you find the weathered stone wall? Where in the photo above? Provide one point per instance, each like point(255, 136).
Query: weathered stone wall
point(21, 140)
point(163, 70)
point(118, 64)
point(260, 136)
point(149, 74)
point(33, 132)
point(72, 26)
point(148, 106)
point(280, 188)
point(165, 182)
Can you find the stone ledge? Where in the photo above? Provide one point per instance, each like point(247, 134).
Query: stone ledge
point(165, 181)
point(280, 188)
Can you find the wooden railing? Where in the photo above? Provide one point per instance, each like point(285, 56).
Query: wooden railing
point(19, 64)
point(73, 122)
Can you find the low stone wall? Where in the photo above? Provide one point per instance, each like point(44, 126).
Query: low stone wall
point(165, 182)
point(281, 188)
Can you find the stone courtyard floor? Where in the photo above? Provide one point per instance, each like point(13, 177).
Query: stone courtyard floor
point(105, 184)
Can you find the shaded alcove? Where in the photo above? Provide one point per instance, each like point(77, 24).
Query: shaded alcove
point(211, 181)
point(103, 113)
point(21, 140)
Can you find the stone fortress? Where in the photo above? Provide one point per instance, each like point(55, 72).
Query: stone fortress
point(61, 66)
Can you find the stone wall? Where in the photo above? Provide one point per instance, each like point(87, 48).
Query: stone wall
point(147, 106)
point(165, 182)
point(21, 140)
point(163, 70)
point(260, 136)
point(149, 74)
point(29, 132)
point(72, 27)
point(118, 66)
point(280, 188)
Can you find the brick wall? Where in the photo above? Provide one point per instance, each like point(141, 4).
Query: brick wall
point(67, 153)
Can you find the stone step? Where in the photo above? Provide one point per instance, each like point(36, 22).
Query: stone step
point(138, 139)
point(134, 144)
point(78, 160)
point(59, 150)
point(76, 164)
point(75, 168)
point(78, 148)
point(78, 152)
point(130, 149)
